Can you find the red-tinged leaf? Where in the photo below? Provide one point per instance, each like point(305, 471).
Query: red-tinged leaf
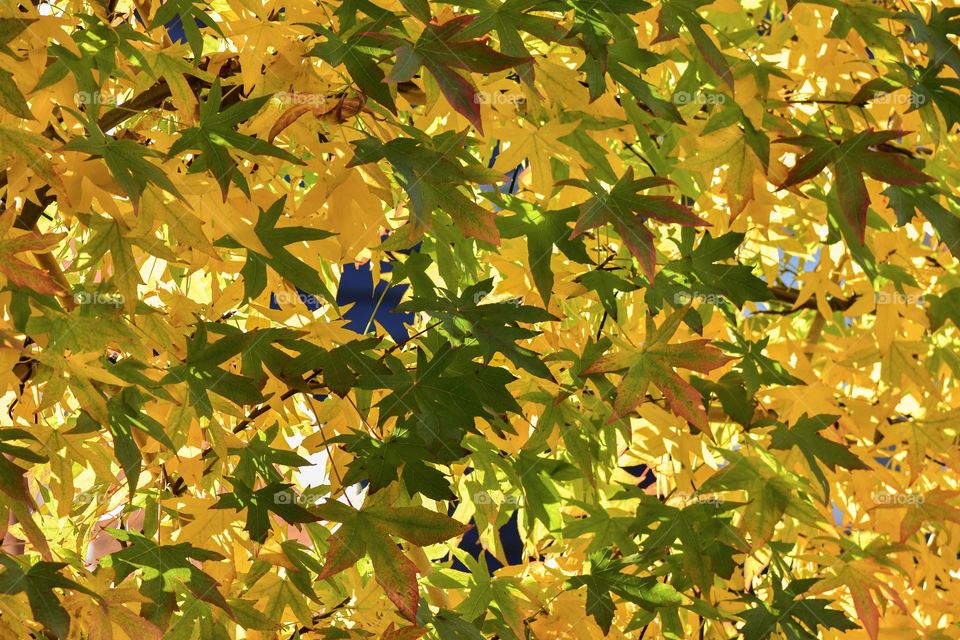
point(627, 210)
point(27, 276)
point(853, 197)
point(656, 363)
point(695, 355)
point(867, 153)
point(344, 551)
point(665, 209)
point(459, 92)
point(369, 530)
point(474, 55)
point(682, 398)
point(610, 363)
point(866, 608)
point(23, 274)
point(639, 241)
point(417, 525)
point(931, 506)
point(871, 138)
point(711, 54)
point(473, 220)
point(397, 575)
point(452, 27)
point(810, 165)
point(893, 169)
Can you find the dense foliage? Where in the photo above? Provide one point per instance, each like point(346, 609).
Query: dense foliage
point(479, 319)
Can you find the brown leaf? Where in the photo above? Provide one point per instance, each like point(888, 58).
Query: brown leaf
point(341, 111)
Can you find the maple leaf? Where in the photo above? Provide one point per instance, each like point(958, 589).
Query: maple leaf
point(494, 326)
point(655, 362)
point(683, 13)
point(183, 19)
point(792, 613)
point(11, 98)
point(38, 583)
point(275, 240)
point(369, 531)
point(163, 569)
point(23, 274)
point(443, 50)
point(932, 506)
point(540, 144)
point(275, 497)
point(607, 578)
point(804, 435)
point(434, 172)
point(627, 210)
point(216, 132)
point(861, 576)
point(936, 32)
point(867, 153)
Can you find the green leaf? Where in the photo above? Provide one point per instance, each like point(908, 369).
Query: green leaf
point(793, 615)
point(216, 133)
point(906, 200)
point(494, 326)
point(442, 49)
point(274, 498)
point(869, 153)
point(368, 531)
point(360, 59)
point(276, 239)
point(606, 580)
point(38, 583)
point(10, 97)
point(623, 207)
point(805, 435)
point(164, 571)
point(655, 363)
